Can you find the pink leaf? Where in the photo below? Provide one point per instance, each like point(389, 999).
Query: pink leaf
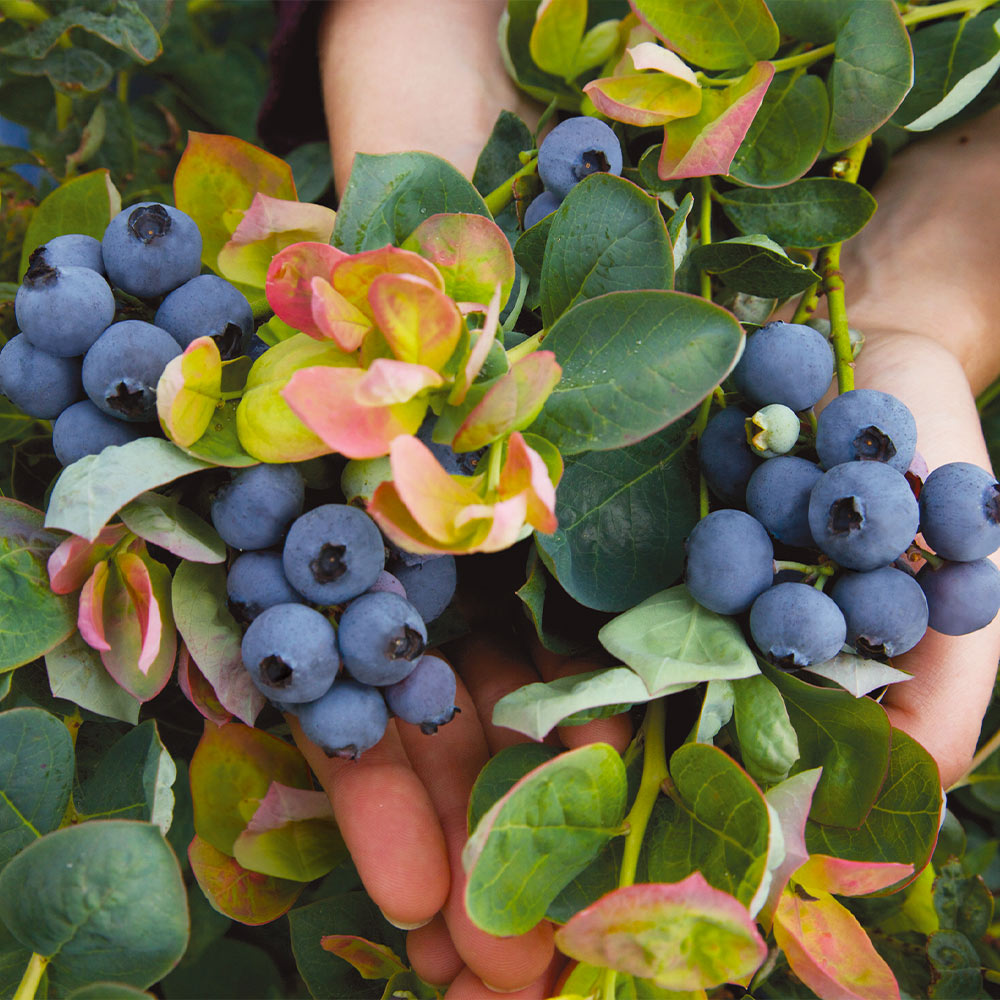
point(268, 216)
point(196, 688)
point(284, 804)
point(508, 522)
point(352, 277)
point(372, 961)
point(477, 356)
point(843, 877)
point(90, 617)
point(289, 282)
point(74, 558)
point(388, 381)
point(337, 319)
point(135, 575)
point(524, 472)
point(400, 526)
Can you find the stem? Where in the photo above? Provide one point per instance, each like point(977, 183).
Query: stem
point(495, 459)
point(698, 427)
point(499, 198)
point(988, 395)
point(931, 11)
point(32, 977)
point(706, 232)
point(654, 774)
point(526, 347)
point(985, 751)
point(807, 304)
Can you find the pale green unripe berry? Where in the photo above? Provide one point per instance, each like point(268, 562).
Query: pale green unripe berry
point(362, 476)
point(773, 430)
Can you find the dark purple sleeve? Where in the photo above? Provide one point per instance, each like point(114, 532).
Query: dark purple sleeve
point(292, 112)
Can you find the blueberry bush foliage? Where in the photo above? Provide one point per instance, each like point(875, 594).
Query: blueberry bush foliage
point(768, 833)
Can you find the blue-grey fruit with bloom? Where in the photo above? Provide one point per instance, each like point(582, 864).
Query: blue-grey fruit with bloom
point(82, 429)
point(574, 149)
point(254, 509)
point(37, 382)
point(349, 719)
point(381, 637)
point(208, 306)
point(795, 625)
point(426, 696)
point(960, 512)
point(866, 425)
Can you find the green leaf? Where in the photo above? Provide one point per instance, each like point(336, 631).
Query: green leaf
point(623, 516)
point(787, 133)
point(716, 711)
point(633, 362)
point(768, 744)
point(133, 780)
point(812, 20)
point(596, 880)
point(229, 970)
point(673, 643)
point(754, 264)
point(86, 204)
point(956, 970)
point(607, 236)
point(103, 900)
point(516, 27)
point(312, 169)
point(556, 36)
point(501, 773)
point(859, 676)
point(532, 594)
point(720, 825)
point(962, 902)
point(72, 71)
point(33, 620)
point(36, 777)
point(220, 444)
point(89, 492)
point(542, 833)
point(109, 991)
point(871, 73)
point(536, 709)
point(848, 737)
point(389, 195)
point(902, 823)
point(165, 522)
point(714, 34)
point(809, 213)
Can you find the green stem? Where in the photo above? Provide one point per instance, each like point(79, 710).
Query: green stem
point(985, 751)
point(706, 232)
point(32, 977)
point(527, 346)
point(930, 12)
point(498, 199)
point(495, 460)
point(987, 396)
point(654, 774)
point(807, 305)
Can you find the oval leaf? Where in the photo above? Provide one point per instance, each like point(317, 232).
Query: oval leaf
point(167, 523)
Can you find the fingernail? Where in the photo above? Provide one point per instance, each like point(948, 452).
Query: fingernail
point(496, 989)
point(407, 927)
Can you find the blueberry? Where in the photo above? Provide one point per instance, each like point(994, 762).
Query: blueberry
point(786, 363)
point(150, 249)
point(429, 585)
point(885, 610)
point(82, 429)
point(795, 625)
point(253, 510)
point(38, 382)
point(863, 514)
point(730, 561)
point(778, 496)
point(962, 597)
point(773, 430)
point(291, 653)
point(333, 553)
point(575, 149)
point(255, 582)
point(208, 306)
point(256, 347)
point(121, 370)
point(63, 310)
point(866, 425)
point(349, 719)
point(540, 206)
point(387, 582)
point(426, 696)
point(455, 463)
point(381, 637)
point(71, 250)
point(960, 512)
point(725, 457)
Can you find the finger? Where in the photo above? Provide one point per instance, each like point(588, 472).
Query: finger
point(468, 986)
point(449, 762)
point(431, 953)
point(389, 825)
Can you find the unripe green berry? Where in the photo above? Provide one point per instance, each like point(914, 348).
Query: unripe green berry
point(773, 430)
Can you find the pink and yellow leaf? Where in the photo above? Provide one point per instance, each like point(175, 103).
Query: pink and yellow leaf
point(419, 322)
point(73, 560)
point(90, 615)
point(485, 338)
point(525, 473)
point(843, 877)
point(336, 319)
point(189, 390)
point(352, 277)
point(196, 688)
point(135, 575)
point(371, 960)
point(289, 282)
point(388, 382)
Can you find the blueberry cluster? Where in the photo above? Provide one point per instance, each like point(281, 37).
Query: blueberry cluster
point(81, 358)
point(574, 149)
point(842, 513)
point(332, 636)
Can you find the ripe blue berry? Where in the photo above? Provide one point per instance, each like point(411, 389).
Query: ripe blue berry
point(71, 250)
point(544, 204)
point(725, 457)
point(208, 306)
point(38, 382)
point(866, 425)
point(253, 510)
point(429, 585)
point(426, 696)
point(256, 581)
point(574, 149)
point(885, 610)
point(960, 512)
point(381, 637)
point(795, 625)
point(349, 719)
point(962, 597)
point(82, 429)
point(778, 496)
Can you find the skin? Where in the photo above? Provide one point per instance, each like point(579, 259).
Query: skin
point(920, 278)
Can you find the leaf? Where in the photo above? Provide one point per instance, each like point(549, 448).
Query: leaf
point(74, 558)
point(768, 744)
point(245, 896)
point(816, 21)
point(871, 73)
point(188, 391)
point(389, 195)
point(716, 711)
point(85, 204)
point(33, 620)
point(754, 264)
point(132, 780)
point(536, 709)
point(787, 133)
point(684, 936)
point(623, 516)
point(104, 900)
point(90, 491)
point(962, 902)
point(556, 36)
point(196, 688)
point(373, 961)
point(36, 777)
point(815, 212)
point(848, 737)
point(859, 676)
point(717, 824)
point(673, 643)
point(956, 967)
point(165, 522)
point(714, 34)
point(76, 673)
point(544, 831)
point(533, 593)
point(231, 771)
point(501, 773)
point(607, 236)
point(633, 362)
point(220, 444)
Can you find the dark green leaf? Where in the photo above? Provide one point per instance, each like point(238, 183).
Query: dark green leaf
point(165, 522)
point(754, 264)
point(623, 517)
point(809, 213)
point(607, 236)
point(955, 967)
point(33, 620)
point(498, 162)
point(532, 593)
point(812, 20)
point(109, 991)
point(388, 196)
point(787, 133)
point(597, 879)
point(871, 73)
point(633, 362)
point(36, 777)
point(71, 71)
point(312, 169)
point(502, 771)
point(14, 958)
point(768, 744)
point(963, 903)
point(230, 970)
point(529, 251)
point(103, 900)
point(515, 32)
